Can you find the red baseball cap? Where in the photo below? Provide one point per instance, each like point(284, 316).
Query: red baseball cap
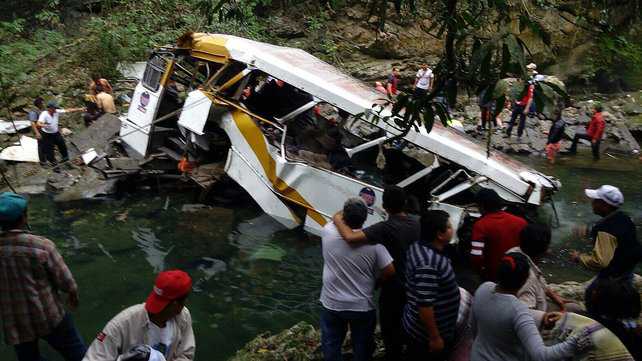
point(169, 286)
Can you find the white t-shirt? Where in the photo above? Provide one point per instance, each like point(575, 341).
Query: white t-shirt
point(161, 339)
point(50, 122)
point(350, 273)
point(423, 78)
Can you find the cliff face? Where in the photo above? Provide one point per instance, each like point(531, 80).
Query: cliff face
point(349, 37)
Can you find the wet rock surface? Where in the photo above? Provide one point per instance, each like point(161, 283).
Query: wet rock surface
point(71, 181)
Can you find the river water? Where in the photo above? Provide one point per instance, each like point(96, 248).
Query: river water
point(250, 275)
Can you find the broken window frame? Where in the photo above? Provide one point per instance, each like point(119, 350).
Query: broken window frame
point(153, 74)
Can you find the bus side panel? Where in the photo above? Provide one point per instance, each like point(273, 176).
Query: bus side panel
point(243, 173)
point(135, 130)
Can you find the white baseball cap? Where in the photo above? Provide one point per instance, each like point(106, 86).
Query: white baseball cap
point(607, 193)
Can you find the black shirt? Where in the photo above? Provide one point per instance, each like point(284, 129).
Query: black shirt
point(627, 253)
point(396, 233)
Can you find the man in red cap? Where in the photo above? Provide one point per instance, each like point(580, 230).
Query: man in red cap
point(162, 322)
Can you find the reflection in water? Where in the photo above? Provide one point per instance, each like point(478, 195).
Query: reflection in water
point(151, 246)
point(253, 238)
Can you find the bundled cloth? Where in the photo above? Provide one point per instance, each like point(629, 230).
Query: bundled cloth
point(606, 345)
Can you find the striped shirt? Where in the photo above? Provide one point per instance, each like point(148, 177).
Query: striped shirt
point(31, 274)
point(430, 282)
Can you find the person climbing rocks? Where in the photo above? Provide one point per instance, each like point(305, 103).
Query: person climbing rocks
point(555, 134)
point(51, 137)
point(162, 322)
point(594, 132)
point(33, 275)
point(520, 109)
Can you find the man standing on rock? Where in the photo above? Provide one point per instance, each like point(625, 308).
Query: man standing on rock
point(594, 132)
point(521, 108)
point(51, 137)
point(39, 104)
point(396, 234)
point(423, 81)
point(616, 250)
point(32, 277)
point(349, 277)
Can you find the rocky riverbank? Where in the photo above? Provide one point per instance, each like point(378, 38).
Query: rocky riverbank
point(622, 113)
point(301, 342)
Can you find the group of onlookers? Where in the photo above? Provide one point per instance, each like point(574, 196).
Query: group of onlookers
point(424, 314)
point(46, 125)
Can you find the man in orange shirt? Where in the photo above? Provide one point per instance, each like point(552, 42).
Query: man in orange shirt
point(494, 233)
point(594, 132)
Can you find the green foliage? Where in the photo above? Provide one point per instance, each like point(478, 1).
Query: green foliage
point(19, 56)
point(620, 57)
point(49, 16)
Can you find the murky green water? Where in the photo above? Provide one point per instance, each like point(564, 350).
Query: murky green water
point(250, 275)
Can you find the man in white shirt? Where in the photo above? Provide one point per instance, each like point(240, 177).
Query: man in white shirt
point(162, 322)
point(50, 134)
point(423, 81)
point(350, 274)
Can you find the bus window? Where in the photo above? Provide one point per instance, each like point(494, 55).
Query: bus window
point(153, 73)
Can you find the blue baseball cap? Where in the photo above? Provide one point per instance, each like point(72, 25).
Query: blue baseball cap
point(12, 206)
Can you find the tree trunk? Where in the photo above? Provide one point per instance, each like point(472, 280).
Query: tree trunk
point(451, 55)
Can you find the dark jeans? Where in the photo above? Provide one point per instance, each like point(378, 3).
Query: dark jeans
point(41, 151)
point(54, 140)
point(588, 293)
point(518, 110)
point(64, 338)
point(418, 93)
point(594, 147)
point(334, 326)
point(391, 304)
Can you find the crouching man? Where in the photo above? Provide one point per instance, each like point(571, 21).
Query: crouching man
point(162, 322)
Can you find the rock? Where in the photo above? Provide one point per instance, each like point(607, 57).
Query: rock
point(385, 46)
point(88, 185)
point(286, 29)
point(97, 136)
point(60, 181)
point(301, 342)
point(574, 291)
point(632, 108)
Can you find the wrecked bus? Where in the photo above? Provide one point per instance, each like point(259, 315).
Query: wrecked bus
point(283, 125)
